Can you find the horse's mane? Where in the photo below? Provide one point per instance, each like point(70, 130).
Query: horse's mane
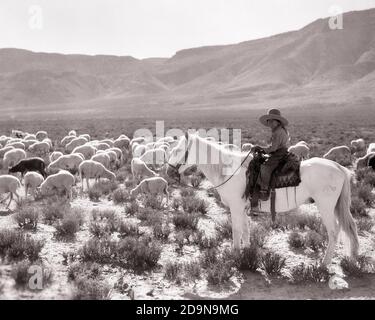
point(225, 154)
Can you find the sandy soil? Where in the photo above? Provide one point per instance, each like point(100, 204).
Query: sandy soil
point(245, 285)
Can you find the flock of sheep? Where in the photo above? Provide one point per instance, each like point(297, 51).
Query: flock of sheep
point(47, 168)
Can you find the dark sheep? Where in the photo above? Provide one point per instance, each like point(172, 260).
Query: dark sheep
point(371, 162)
point(30, 164)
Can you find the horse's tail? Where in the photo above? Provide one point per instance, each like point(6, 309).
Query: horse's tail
point(342, 211)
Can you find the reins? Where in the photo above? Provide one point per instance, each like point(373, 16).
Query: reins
point(215, 187)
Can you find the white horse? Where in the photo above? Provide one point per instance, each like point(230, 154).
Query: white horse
point(325, 181)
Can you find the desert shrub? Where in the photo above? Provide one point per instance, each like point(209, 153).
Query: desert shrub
point(132, 207)
point(310, 273)
point(258, 235)
point(106, 187)
point(54, 211)
point(121, 195)
point(176, 203)
point(272, 263)
point(187, 192)
point(365, 224)
point(172, 271)
point(83, 270)
point(126, 228)
point(356, 267)
point(20, 274)
point(194, 204)
point(204, 242)
point(98, 250)
point(310, 221)
point(95, 192)
point(224, 229)
point(138, 254)
point(145, 214)
point(364, 192)
point(91, 289)
point(103, 222)
point(366, 176)
point(219, 273)
point(192, 270)
point(15, 245)
point(248, 259)
point(130, 183)
point(161, 230)
point(296, 240)
point(152, 201)
point(314, 240)
point(209, 257)
point(27, 218)
point(185, 220)
point(68, 226)
point(358, 207)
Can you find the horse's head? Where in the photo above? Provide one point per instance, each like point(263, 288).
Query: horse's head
point(178, 158)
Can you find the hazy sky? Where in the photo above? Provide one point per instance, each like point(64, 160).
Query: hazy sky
point(153, 28)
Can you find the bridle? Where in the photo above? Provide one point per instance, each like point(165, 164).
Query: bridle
point(177, 167)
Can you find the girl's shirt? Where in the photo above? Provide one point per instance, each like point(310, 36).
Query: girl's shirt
point(279, 139)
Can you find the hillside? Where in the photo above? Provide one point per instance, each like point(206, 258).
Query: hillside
point(313, 65)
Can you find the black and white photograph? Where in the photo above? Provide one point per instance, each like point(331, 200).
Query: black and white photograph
point(211, 150)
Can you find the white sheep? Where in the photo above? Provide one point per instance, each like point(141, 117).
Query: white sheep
point(72, 133)
point(140, 169)
point(55, 155)
point(18, 145)
point(41, 135)
point(108, 141)
point(32, 181)
point(153, 186)
point(371, 148)
point(28, 143)
point(112, 158)
point(12, 157)
point(64, 141)
point(61, 181)
point(358, 145)
point(9, 183)
point(4, 150)
point(154, 157)
point(68, 162)
point(102, 158)
point(102, 146)
point(338, 153)
point(87, 151)
point(139, 150)
point(119, 154)
point(364, 161)
point(86, 136)
point(301, 150)
point(76, 142)
point(92, 169)
point(40, 148)
point(122, 143)
point(30, 137)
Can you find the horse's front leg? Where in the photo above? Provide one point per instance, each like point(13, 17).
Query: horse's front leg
point(239, 225)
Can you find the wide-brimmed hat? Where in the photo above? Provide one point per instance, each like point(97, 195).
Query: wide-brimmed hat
point(273, 114)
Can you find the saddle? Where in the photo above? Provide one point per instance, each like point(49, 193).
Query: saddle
point(286, 174)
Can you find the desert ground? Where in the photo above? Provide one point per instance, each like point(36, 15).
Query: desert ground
point(104, 244)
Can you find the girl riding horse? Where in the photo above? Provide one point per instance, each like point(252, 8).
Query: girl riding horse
point(277, 151)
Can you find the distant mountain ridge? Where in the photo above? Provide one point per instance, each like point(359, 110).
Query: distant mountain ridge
point(313, 64)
